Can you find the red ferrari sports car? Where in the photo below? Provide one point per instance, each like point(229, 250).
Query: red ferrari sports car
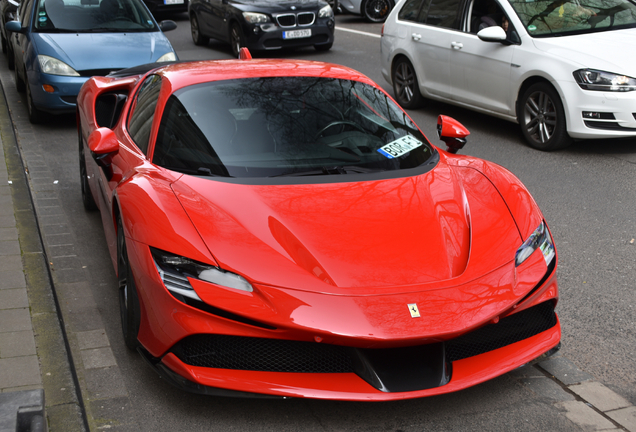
point(282, 228)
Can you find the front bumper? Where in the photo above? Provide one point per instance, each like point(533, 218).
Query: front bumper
point(616, 112)
point(64, 97)
point(207, 349)
point(257, 39)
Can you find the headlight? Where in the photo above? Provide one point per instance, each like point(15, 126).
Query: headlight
point(175, 270)
point(255, 18)
point(325, 12)
point(539, 239)
point(590, 79)
point(53, 66)
point(167, 57)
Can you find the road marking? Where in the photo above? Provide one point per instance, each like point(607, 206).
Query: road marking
point(358, 32)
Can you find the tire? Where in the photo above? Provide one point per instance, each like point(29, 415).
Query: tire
point(376, 11)
point(87, 196)
point(405, 85)
point(542, 118)
point(237, 41)
point(129, 309)
point(324, 47)
point(19, 82)
point(10, 56)
point(195, 30)
point(35, 115)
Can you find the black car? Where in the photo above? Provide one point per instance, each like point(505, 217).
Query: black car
point(161, 6)
point(7, 11)
point(263, 24)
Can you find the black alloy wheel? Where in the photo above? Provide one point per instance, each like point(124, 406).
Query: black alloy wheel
point(129, 309)
point(236, 39)
point(35, 115)
point(87, 196)
point(542, 118)
point(405, 85)
point(376, 11)
point(197, 37)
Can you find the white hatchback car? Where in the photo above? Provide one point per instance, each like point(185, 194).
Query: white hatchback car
point(562, 69)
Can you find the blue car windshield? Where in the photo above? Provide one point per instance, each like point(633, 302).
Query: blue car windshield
point(86, 16)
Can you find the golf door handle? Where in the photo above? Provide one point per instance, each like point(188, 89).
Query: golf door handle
point(457, 45)
point(416, 36)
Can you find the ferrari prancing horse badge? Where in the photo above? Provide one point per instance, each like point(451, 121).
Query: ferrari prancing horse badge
point(415, 312)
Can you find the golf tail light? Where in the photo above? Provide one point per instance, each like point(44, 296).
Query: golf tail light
point(539, 239)
point(175, 271)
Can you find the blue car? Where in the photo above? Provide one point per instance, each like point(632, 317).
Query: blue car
point(59, 44)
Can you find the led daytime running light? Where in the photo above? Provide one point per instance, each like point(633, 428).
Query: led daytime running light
point(539, 239)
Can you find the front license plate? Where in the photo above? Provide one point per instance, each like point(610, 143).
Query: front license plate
point(295, 34)
point(170, 2)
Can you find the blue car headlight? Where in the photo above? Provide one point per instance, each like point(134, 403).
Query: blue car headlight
point(539, 239)
point(175, 271)
point(53, 66)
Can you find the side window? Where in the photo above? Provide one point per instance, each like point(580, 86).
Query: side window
point(442, 13)
point(411, 10)
point(143, 112)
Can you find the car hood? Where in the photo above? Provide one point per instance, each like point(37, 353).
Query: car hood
point(273, 6)
point(358, 236)
point(87, 51)
point(604, 50)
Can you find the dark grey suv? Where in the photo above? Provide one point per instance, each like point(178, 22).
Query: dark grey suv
point(263, 24)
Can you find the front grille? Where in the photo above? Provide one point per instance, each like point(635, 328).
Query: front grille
point(306, 18)
point(274, 355)
point(606, 126)
point(97, 72)
point(509, 330)
point(288, 20)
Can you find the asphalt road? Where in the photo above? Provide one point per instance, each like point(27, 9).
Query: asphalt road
point(587, 193)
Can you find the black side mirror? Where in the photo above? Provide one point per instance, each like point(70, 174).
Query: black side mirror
point(452, 132)
point(167, 25)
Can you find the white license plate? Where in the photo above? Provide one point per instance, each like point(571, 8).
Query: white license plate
point(170, 2)
point(295, 34)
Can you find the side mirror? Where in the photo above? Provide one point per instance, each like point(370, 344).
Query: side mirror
point(14, 26)
point(102, 142)
point(492, 34)
point(167, 25)
point(452, 132)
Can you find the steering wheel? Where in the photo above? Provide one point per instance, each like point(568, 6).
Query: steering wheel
point(339, 122)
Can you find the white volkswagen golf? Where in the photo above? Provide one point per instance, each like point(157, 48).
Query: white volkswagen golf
point(562, 69)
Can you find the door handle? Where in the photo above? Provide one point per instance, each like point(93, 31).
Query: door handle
point(416, 36)
point(457, 45)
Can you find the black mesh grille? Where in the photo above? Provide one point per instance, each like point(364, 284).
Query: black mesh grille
point(306, 18)
point(274, 355)
point(507, 331)
point(286, 20)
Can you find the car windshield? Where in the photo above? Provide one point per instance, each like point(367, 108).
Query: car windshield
point(287, 126)
point(549, 17)
point(84, 16)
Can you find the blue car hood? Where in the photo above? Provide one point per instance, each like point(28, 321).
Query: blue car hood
point(86, 51)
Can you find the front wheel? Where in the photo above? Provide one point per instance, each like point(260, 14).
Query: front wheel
point(405, 85)
point(197, 37)
point(129, 309)
point(35, 115)
point(542, 118)
point(236, 39)
point(376, 11)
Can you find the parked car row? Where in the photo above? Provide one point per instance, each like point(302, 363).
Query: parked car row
point(51, 45)
point(561, 69)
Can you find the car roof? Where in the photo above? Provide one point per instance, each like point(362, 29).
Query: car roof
point(183, 74)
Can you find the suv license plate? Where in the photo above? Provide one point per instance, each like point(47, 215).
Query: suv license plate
point(295, 34)
point(171, 2)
